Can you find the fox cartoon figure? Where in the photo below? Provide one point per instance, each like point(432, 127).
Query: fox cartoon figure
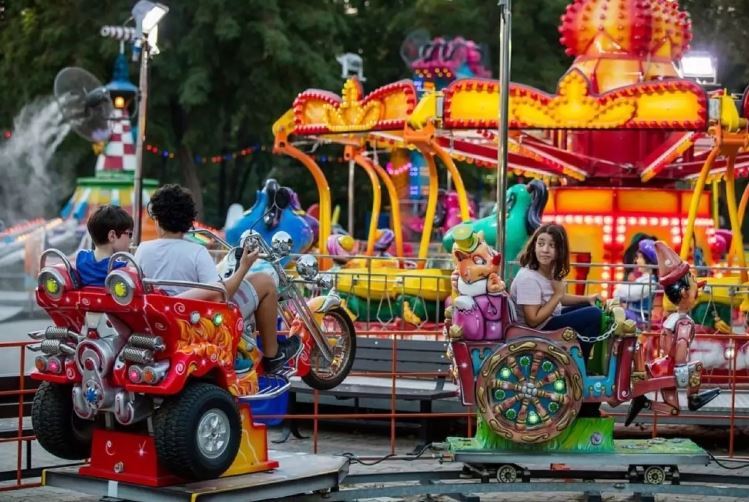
point(477, 288)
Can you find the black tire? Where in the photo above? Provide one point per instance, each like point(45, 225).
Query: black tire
point(176, 429)
point(323, 378)
point(59, 430)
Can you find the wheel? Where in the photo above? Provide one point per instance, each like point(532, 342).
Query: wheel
point(529, 391)
point(198, 432)
point(507, 473)
point(338, 328)
point(654, 475)
point(59, 430)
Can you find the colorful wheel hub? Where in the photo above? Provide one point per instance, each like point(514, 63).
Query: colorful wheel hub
point(529, 390)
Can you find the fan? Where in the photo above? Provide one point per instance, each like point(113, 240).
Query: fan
point(412, 44)
point(84, 103)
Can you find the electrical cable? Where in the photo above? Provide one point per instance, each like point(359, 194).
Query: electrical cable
point(729, 467)
point(354, 459)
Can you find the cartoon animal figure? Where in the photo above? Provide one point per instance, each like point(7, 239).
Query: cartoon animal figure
point(272, 212)
point(385, 239)
point(342, 248)
point(525, 206)
point(476, 311)
point(677, 334)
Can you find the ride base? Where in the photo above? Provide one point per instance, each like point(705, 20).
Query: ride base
point(130, 457)
point(588, 440)
point(297, 473)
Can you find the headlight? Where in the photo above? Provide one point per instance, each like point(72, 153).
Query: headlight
point(51, 282)
point(281, 243)
point(120, 287)
point(307, 267)
point(40, 363)
point(135, 374)
point(54, 365)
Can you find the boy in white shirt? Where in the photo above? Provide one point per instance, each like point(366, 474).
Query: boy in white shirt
point(170, 257)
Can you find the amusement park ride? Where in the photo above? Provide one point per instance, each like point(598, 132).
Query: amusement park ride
point(160, 392)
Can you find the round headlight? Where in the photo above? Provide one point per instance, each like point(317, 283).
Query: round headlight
point(51, 282)
point(135, 374)
point(120, 287)
point(307, 267)
point(54, 365)
point(281, 243)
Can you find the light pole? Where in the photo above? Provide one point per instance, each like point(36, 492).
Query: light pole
point(505, 49)
point(147, 16)
point(351, 65)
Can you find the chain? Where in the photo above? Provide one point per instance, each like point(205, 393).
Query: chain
point(603, 336)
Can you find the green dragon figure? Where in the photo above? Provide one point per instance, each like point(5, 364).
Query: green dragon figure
point(525, 206)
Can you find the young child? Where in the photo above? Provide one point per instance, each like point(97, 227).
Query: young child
point(170, 257)
point(637, 297)
point(539, 292)
point(539, 289)
point(111, 229)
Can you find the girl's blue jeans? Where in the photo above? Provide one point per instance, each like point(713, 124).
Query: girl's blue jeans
point(584, 319)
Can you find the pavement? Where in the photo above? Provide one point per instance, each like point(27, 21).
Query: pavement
point(339, 439)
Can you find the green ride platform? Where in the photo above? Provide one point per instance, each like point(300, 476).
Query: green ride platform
point(581, 444)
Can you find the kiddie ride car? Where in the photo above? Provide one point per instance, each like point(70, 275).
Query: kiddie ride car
point(144, 384)
point(530, 386)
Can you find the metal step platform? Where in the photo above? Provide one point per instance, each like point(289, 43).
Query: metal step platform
point(656, 451)
point(298, 473)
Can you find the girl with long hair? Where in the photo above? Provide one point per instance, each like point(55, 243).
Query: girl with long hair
point(539, 290)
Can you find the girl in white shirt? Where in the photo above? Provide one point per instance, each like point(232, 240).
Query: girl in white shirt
point(637, 297)
point(540, 292)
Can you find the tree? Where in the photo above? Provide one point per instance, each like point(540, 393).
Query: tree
point(721, 27)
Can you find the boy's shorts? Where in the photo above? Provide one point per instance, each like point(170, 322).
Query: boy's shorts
point(246, 299)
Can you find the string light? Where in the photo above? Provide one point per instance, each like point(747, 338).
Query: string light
point(244, 152)
point(395, 171)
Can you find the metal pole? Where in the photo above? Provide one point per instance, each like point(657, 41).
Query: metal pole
point(505, 49)
point(138, 185)
point(351, 169)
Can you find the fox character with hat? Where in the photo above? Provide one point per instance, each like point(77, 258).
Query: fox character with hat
point(476, 309)
point(681, 289)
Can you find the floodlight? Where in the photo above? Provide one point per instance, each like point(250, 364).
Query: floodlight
point(699, 66)
point(148, 14)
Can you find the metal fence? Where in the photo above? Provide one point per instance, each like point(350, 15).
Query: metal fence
point(382, 290)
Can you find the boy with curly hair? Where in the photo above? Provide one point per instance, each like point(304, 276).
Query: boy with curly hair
point(170, 257)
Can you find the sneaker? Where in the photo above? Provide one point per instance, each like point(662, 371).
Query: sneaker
point(288, 349)
point(242, 364)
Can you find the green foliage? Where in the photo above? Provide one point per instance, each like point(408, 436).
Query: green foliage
point(228, 69)
point(720, 27)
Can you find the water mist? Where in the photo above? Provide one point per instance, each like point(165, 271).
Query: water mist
point(29, 188)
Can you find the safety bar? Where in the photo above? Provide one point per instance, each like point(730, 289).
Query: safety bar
point(187, 284)
point(56, 252)
point(208, 233)
point(127, 258)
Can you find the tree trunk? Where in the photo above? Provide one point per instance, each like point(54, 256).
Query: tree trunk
point(222, 184)
point(185, 156)
point(192, 180)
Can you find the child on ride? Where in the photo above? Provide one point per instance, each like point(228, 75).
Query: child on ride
point(111, 229)
point(170, 257)
point(637, 296)
point(539, 288)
